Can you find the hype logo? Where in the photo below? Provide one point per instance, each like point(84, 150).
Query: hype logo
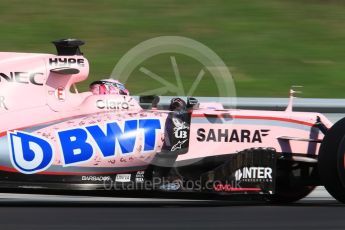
point(32, 154)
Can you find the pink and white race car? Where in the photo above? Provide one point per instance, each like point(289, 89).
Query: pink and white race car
point(54, 138)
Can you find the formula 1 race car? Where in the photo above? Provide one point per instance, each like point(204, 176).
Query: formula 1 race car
point(54, 138)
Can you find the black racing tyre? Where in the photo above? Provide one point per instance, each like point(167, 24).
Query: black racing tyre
point(289, 194)
point(290, 186)
point(331, 158)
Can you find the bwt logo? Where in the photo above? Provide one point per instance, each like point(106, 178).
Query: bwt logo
point(32, 154)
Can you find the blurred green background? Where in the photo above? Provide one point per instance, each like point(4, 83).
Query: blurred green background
point(268, 45)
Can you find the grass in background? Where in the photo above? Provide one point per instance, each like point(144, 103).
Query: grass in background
point(268, 45)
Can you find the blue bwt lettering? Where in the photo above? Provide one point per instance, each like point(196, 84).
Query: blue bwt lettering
point(107, 141)
point(74, 146)
point(32, 154)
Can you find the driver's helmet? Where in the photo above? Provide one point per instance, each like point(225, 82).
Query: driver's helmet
point(108, 86)
point(177, 104)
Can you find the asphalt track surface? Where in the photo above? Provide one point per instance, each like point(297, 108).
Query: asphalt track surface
point(18, 211)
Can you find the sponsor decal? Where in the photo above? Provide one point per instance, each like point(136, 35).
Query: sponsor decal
point(60, 94)
point(172, 186)
point(22, 77)
point(230, 188)
point(2, 103)
point(254, 174)
point(180, 133)
point(66, 62)
point(227, 135)
point(123, 178)
point(112, 104)
point(178, 145)
point(180, 129)
point(95, 178)
point(32, 154)
point(29, 153)
point(139, 177)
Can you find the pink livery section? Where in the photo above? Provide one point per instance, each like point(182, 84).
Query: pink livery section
point(52, 136)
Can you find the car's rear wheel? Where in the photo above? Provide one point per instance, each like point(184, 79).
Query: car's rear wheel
point(292, 182)
point(331, 161)
point(288, 194)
